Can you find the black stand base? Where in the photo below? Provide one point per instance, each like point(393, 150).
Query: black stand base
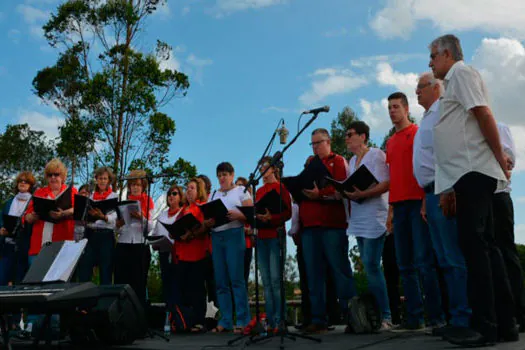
point(151, 333)
point(283, 333)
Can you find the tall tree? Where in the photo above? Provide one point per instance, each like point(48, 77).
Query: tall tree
point(23, 149)
point(101, 82)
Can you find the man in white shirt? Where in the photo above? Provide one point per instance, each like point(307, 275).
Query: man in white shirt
point(470, 165)
point(443, 230)
point(504, 228)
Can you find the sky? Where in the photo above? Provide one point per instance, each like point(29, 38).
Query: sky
point(252, 62)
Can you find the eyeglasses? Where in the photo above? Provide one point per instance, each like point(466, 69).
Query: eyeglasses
point(22, 181)
point(316, 143)
point(53, 175)
point(422, 86)
point(350, 134)
point(174, 193)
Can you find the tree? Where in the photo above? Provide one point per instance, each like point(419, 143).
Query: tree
point(23, 149)
point(106, 88)
point(338, 130)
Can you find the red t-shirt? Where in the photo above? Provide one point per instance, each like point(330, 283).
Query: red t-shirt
point(399, 149)
point(322, 213)
point(197, 248)
point(62, 230)
point(277, 219)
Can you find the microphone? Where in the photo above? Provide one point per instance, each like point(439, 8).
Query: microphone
point(283, 134)
point(325, 109)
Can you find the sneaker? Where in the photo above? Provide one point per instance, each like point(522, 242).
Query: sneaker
point(315, 328)
point(386, 325)
point(404, 328)
point(467, 337)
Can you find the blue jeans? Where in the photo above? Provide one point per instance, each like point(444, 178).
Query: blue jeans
point(322, 246)
point(100, 251)
point(269, 264)
point(414, 254)
point(228, 264)
point(371, 250)
point(444, 234)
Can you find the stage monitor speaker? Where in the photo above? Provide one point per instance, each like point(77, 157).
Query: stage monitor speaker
point(117, 319)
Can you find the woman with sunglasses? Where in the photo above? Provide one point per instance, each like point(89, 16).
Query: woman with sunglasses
point(14, 250)
point(191, 252)
point(175, 202)
point(43, 231)
point(132, 255)
point(100, 249)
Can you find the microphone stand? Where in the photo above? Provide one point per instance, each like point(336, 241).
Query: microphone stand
point(283, 329)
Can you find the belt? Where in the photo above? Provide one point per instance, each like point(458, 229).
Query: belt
point(429, 188)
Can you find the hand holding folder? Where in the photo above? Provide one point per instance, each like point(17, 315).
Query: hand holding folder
point(215, 210)
point(179, 228)
point(270, 202)
point(44, 206)
point(362, 179)
point(314, 174)
point(84, 204)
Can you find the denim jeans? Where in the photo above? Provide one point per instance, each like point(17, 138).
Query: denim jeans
point(269, 265)
point(371, 250)
point(444, 234)
point(8, 268)
point(322, 246)
point(414, 254)
point(100, 251)
point(228, 264)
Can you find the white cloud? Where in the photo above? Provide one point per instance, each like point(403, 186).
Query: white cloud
point(225, 7)
point(398, 18)
point(370, 61)
point(519, 233)
point(31, 14)
point(331, 81)
point(517, 132)
point(198, 62)
point(375, 114)
point(37, 31)
point(277, 109)
point(14, 35)
point(40, 122)
point(172, 63)
point(163, 10)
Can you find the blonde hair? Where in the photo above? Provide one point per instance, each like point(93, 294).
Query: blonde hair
point(140, 176)
point(56, 164)
point(202, 195)
point(28, 177)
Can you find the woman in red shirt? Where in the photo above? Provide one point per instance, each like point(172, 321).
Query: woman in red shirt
point(191, 253)
point(44, 231)
point(268, 249)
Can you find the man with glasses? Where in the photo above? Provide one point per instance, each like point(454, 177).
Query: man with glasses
point(470, 166)
point(324, 240)
point(413, 245)
point(442, 226)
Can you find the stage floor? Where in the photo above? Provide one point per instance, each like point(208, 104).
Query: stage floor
point(333, 340)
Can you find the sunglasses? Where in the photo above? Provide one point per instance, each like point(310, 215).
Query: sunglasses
point(53, 175)
point(23, 182)
point(174, 193)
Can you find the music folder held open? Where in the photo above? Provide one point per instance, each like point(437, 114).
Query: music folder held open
point(271, 201)
point(55, 262)
point(176, 230)
point(362, 178)
point(81, 202)
point(215, 210)
point(315, 172)
point(43, 206)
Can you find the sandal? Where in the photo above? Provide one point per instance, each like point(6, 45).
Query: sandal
point(220, 329)
point(198, 328)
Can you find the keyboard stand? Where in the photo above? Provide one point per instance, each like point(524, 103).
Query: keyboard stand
point(45, 331)
point(5, 331)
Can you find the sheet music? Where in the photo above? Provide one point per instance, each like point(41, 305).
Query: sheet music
point(162, 244)
point(127, 209)
point(65, 261)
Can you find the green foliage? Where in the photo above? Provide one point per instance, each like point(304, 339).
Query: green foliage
point(155, 280)
point(22, 149)
point(109, 92)
point(338, 130)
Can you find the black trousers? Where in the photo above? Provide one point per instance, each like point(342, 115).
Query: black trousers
point(209, 277)
point(333, 309)
point(504, 232)
point(392, 278)
point(189, 276)
point(488, 286)
point(131, 267)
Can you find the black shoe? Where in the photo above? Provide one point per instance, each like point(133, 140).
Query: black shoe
point(301, 326)
point(440, 331)
point(467, 337)
point(509, 335)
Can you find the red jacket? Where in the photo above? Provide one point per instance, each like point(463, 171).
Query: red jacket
point(62, 231)
point(326, 213)
point(277, 219)
point(197, 248)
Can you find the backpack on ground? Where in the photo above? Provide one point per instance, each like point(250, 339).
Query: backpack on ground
point(364, 315)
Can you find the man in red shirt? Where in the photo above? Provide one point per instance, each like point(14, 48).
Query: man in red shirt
point(324, 239)
point(414, 251)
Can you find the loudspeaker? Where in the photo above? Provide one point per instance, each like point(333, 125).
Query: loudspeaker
point(117, 319)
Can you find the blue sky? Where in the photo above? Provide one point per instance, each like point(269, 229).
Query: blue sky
point(253, 62)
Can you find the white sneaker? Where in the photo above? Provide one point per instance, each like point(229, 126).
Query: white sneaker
point(386, 325)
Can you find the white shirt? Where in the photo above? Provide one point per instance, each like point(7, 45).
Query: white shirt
point(18, 206)
point(423, 154)
point(295, 222)
point(134, 233)
point(459, 145)
point(112, 217)
point(368, 219)
point(507, 142)
point(231, 200)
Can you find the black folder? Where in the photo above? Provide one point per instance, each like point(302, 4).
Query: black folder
point(186, 223)
point(362, 178)
point(11, 223)
point(215, 210)
point(43, 206)
point(271, 201)
point(315, 171)
point(106, 206)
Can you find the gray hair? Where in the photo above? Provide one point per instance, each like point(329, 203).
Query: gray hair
point(433, 81)
point(321, 131)
point(448, 42)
